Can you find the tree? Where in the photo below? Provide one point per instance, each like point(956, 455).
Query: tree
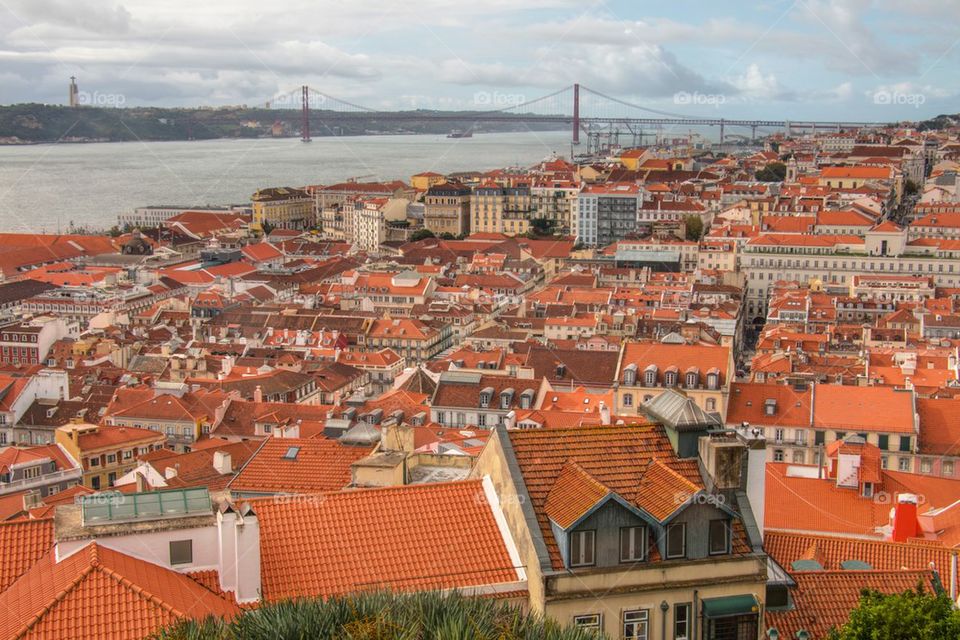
point(542, 226)
point(693, 226)
point(446, 235)
point(421, 234)
point(910, 188)
point(267, 227)
point(381, 615)
point(773, 172)
point(904, 616)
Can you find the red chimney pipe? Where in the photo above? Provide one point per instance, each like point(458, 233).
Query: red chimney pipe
point(905, 523)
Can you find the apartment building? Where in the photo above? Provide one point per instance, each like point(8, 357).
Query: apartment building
point(283, 207)
point(106, 453)
point(606, 213)
point(447, 209)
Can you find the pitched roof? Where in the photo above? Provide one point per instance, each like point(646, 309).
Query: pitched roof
point(100, 593)
point(296, 465)
point(845, 407)
point(830, 551)
point(615, 456)
point(22, 544)
point(824, 599)
point(431, 536)
point(574, 493)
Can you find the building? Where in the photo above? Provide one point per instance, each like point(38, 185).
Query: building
point(44, 470)
point(606, 213)
point(619, 534)
point(447, 209)
point(29, 342)
point(283, 208)
point(646, 369)
point(106, 453)
point(506, 210)
point(182, 417)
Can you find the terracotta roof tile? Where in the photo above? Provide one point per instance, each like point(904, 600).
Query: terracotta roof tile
point(22, 544)
point(574, 493)
point(433, 536)
point(317, 465)
point(615, 456)
point(99, 593)
point(662, 490)
point(824, 599)
point(785, 547)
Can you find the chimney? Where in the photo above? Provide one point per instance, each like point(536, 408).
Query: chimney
point(258, 394)
point(905, 525)
point(604, 413)
point(171, 472)
point(222, 462)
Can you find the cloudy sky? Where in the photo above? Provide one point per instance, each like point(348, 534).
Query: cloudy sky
point(827, 59)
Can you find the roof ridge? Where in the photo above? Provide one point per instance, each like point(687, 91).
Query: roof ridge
point(656, 460)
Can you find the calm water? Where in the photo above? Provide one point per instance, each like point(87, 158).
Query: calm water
point(43, 186)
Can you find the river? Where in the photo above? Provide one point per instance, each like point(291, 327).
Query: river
point(46, 187)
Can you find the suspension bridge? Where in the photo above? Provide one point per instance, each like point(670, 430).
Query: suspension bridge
point(583, 110)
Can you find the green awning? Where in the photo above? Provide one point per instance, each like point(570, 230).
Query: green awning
point(730, 606)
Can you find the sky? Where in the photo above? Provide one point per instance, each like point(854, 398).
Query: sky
point(874, 60)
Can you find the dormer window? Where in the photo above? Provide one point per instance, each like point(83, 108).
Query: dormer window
point(650, 376)
point(485, 396)
point(692, 378)
point(506, 397)
point(526, 399)
point(630, 375)
point(670, 377)
point(713, 379)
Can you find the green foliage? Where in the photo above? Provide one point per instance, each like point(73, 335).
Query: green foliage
point(542, 227)
point(910, 188)
point(421, 234)
point(773, 172)
point(911, 615)
point(267, 227)
point(446, 235)
point(380, 616)
point(693, 227)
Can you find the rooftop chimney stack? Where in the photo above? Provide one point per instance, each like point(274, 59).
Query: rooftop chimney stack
point(904, 516)
point(222, 462)
point(258, 394)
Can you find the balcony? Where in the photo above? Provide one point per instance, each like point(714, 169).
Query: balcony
point(22, 484)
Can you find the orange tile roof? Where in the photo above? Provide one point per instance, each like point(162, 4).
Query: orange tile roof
point(662, 490)
point(416, 537)
point(116, 436)
point(574, 493)
point(320, 465)
point(22, 544)
point(786, 547)
point(747, 403)
point(939, 426)
point(99, 593)
point(615, 456)
point(824, 599)
point(682, 356)
point(872, 409)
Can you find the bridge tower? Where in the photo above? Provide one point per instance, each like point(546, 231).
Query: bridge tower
point(305, 114)
point(576, 113)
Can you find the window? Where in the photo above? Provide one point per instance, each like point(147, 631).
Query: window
point(635, 624)
point(778, 435)
point(128, 454)
point(905, 444)
point(32, 472)
point(591, 621)
point(903, 464)
point(883, 441)
point(926, 465)
point(719, 535)
point(778, 455)
point(628, 399)
point(884, 462)
point(181, 552)
point(681, 621)
point(95, 483)
point(677, 540)
point(581, 548)
point(946, 467)
point(94, 462)
point(111, 458)
point(633, 544)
